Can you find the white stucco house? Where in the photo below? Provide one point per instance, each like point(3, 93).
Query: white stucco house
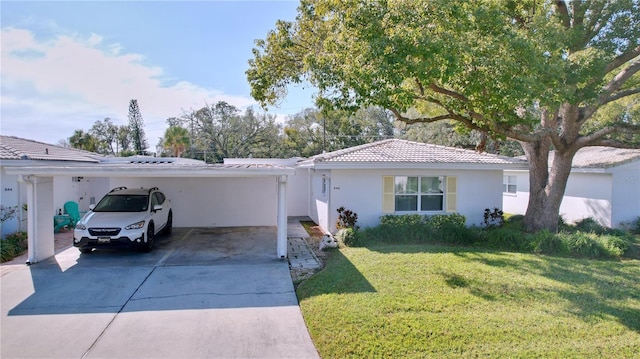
point(400, 177)
point(202, 195)
point(19, 152)
point(604, 184)
point(386, 177)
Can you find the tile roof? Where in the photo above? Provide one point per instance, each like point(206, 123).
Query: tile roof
point(602, 157)
point(402, 151)
point(15, 148)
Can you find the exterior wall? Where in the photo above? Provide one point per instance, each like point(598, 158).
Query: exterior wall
point(214, 202)
point(625, 194)
point(297, 184)
point(610, 198)
point(517, 203)
point(85, 191)
point(10, 197)
point(361, 192)
point(587, 195)
point(298, 193)
point(319, 189)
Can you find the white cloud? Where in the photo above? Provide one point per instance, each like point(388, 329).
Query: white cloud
point(50, 88)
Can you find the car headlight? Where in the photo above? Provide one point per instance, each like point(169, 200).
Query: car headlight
point(81, 226)
point(136, 225)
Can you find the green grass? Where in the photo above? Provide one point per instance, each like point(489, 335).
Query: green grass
point(437, 301)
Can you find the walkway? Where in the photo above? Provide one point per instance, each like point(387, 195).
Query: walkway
point(300, 255)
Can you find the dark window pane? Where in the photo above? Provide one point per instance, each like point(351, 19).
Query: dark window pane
point(406, 203)
point(431, 203)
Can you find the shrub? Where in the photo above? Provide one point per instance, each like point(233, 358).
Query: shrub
point(456, 234)
point(348, 237)
point(346, 219)
point(548, 243)
point(583, 245)
point(632, 226)
point(14, 245)
point(614, 246)
point(438, 221)
point(418, 228)
point(493, 219)
point(507, 239)
point(590, 225)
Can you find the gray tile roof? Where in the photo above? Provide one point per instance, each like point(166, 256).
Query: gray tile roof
point(15, 148)
point(602, 157)
point(402, 151)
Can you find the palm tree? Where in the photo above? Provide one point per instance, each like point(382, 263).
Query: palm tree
point(84, 141)
point(176, 140)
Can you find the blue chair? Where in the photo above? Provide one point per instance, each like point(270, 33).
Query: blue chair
point(71, 208)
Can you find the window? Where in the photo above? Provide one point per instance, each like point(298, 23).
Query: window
point(509, 184)
point(419, 193)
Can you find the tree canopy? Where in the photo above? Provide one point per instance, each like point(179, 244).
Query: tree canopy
point(533, 71)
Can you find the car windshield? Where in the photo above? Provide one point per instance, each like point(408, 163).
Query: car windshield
point(123, 203)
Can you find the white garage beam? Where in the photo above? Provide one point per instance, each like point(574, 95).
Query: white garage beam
point(40, 241)
point(282, 217)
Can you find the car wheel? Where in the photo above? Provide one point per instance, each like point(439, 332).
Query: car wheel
point(169, 226)
point(85, 250)
point(150, 235)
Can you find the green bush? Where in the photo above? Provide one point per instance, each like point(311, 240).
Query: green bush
point(416, 228)
point(546, 242)
point(614, 246)
point(507, 238)
point(14, 245)
point(599, 242)
point(632, 226)
point(583, 245)
point(348, 236)
point(453, 233)
point(589, 225)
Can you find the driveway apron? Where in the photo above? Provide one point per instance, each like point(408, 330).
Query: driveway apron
point(174, 302)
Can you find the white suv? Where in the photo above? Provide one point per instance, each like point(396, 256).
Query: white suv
point(125, 218)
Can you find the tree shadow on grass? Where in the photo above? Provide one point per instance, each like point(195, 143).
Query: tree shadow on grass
point(343, 278)
point(594, 289)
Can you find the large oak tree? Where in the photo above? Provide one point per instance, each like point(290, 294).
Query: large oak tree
point(534, 71)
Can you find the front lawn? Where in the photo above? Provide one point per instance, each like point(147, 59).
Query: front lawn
point(438, 301)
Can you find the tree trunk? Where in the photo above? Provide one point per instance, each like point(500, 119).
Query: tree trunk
point(547, 185)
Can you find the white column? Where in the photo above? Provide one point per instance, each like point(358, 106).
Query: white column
point(40, 214)
point(282, 217)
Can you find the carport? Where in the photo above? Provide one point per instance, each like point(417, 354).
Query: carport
point(138, 170)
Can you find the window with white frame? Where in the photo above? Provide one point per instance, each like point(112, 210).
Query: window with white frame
point(509, 184)
point(419, 194)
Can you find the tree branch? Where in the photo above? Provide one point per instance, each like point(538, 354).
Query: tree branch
point(446, 92)
point(622, 59)
point(597, 138)
point(619, 80)
point(564, 13)
point(619, 95)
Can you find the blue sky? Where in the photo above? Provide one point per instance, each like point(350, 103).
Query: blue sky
point(66, 65)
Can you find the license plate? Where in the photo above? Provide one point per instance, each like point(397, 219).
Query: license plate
point(104, 239)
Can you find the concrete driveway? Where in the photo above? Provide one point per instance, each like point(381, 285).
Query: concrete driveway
point(201, 293)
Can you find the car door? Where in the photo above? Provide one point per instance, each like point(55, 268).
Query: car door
point(158, 217)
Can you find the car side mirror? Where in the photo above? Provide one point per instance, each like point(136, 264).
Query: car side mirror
point(157, 207)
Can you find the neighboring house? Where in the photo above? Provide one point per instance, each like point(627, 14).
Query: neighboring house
point(402, 177)
point(20, 152)
point(604, 184)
